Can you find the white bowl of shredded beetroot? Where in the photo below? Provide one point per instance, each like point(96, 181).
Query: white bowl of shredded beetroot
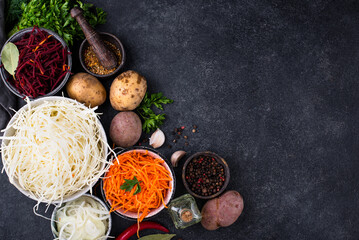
point(44, 63)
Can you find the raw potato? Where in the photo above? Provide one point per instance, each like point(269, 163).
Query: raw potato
point(127, 91)
point(125, 129)
point(222, 211)
point(86, 89)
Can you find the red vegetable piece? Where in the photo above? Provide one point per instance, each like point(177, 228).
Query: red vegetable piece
point(143, 225)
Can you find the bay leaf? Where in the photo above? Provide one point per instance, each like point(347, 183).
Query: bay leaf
point(158, 237)
point(10, 57)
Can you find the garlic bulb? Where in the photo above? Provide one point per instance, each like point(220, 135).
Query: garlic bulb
point(157, 138)
point(176, 156)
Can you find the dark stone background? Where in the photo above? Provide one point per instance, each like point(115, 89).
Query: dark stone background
point(273, 87)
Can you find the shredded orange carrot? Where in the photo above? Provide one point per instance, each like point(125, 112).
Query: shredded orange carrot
point(42, 42)
point(154, 180)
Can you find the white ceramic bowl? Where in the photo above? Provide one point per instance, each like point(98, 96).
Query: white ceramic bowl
point(10, 132)
point(169, 195)
point(53, 216)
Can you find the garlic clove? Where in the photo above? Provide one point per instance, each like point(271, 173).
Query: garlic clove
point(157, 138)
point(176, 156)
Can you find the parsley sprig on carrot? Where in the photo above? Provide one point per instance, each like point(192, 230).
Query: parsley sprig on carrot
point(145, 170)
point(129, 184)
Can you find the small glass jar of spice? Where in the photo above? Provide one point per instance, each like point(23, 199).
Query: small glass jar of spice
point(184, 211)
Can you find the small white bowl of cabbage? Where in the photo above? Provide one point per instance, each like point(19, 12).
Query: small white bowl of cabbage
point(85, 218)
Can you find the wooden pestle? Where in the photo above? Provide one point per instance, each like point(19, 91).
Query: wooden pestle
point(106, 57)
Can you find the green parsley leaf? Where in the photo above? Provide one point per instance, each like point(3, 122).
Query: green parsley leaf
point(151, 120)
point(55, 15)
point(129, 184)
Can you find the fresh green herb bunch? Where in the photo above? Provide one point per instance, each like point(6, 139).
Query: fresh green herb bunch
point(13, 12)
point(152, 120)
point(55, 15)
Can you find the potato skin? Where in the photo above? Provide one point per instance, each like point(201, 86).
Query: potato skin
point(127, 91)
point(125, 129)
point(86, 89)
point(222, 211)
point(210, 215)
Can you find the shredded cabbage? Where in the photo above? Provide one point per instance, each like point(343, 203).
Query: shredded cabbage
point(56, 151)
point(83, 218)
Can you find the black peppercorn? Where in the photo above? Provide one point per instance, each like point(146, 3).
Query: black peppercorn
point(205, 176)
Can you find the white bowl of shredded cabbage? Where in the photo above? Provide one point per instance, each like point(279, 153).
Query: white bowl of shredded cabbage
point(85, 218)
point(54, 149)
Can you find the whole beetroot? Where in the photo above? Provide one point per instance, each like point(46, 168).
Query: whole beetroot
point(222, 211)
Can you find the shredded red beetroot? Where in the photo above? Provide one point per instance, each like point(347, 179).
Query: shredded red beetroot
point(42, 64)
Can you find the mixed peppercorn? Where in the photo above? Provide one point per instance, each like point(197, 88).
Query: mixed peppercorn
point(205, 175)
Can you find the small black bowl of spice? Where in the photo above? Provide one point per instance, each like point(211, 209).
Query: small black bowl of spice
point(90, 62)
point(205, 175)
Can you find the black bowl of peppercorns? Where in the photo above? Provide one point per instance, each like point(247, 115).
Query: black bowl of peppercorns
point(205, 175)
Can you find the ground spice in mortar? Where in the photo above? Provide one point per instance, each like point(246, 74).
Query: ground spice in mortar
point(93, 64)
point(205, 175)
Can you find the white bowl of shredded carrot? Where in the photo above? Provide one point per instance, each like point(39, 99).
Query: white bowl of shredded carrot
point(151, 185)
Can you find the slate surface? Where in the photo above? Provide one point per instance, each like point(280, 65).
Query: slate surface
point(273, 87)
point(6, 98)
